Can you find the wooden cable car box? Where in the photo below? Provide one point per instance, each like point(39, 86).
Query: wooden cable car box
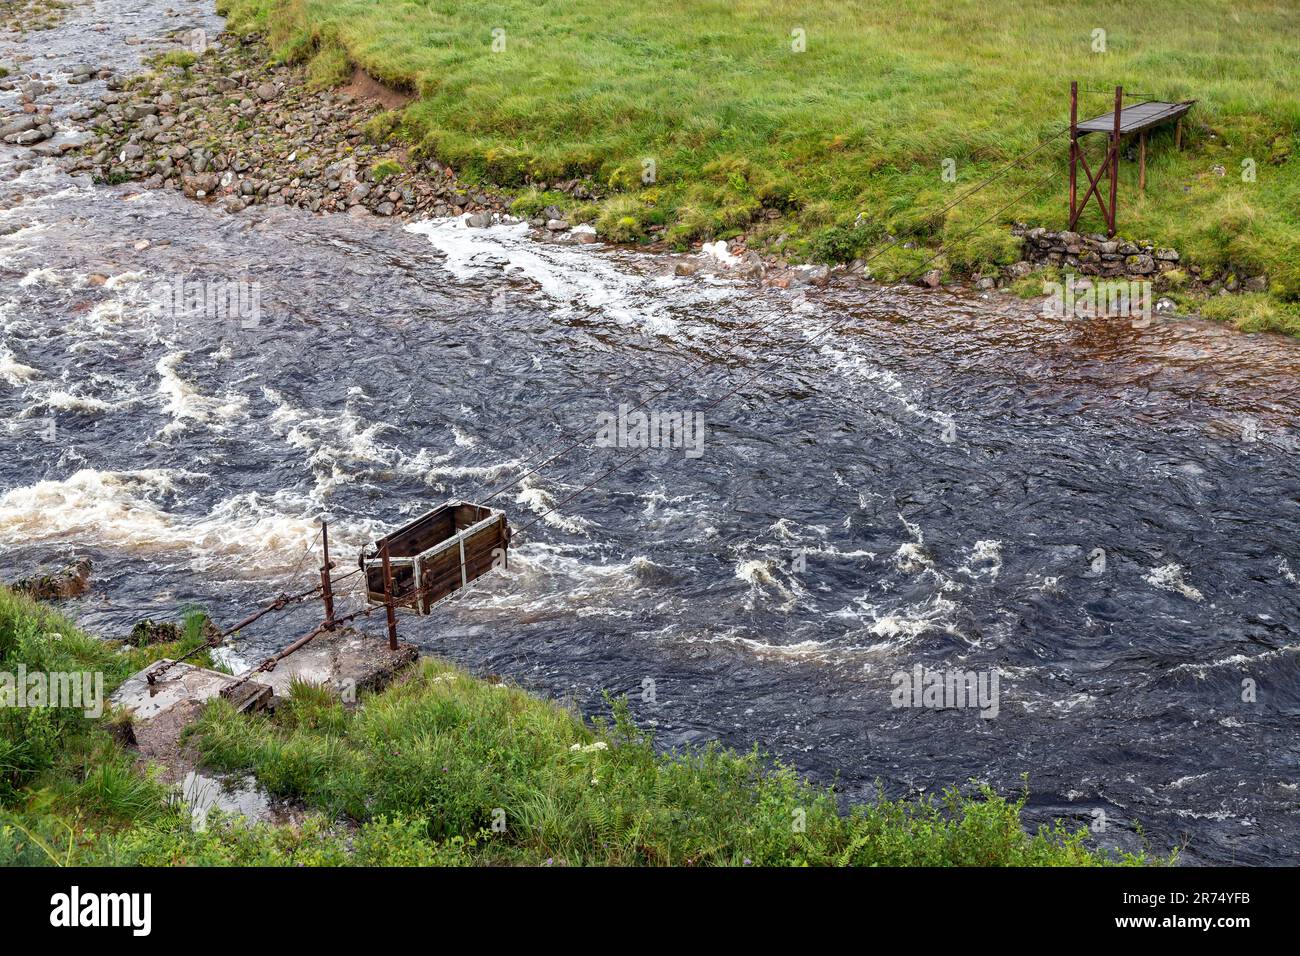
point(436, 554)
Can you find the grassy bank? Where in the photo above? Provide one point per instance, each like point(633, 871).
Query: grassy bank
point(825, 154)
point(446, 769)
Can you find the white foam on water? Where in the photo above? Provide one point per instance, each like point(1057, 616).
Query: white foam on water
point(761, 576)
point(851, 361)
point(718, 250)
point(1282, 565)
point(542, 503)
point(120, 509)
point(439, 467)
point(224, 655)
point(62, 401)
point(545, 581)
point(45, 276)
point(343, 437)
point(566, 275)
point(186, 404)
point(102, 318)
point(285, 414)
point(123, 279)
point(1201, 669)
point(900, 625)
point(911, 558)
point(786, 529)
point(13, 371)
point(16, 239)
point(1169, 577)
point(984, 560)
point(809, 651)
point(756, 571)
point(660, 504)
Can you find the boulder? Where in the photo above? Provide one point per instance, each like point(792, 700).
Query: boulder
point(751, 267)
point(148, 632)
point(21, 125)
point(1139, 265)
point(200, 185)
point(68, 581)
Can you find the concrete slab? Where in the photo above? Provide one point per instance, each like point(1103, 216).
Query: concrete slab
point(160, 712)
point(346, 661)
point(181, 684)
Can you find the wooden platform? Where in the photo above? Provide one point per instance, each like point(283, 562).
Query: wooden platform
point(1120, 122)
point(1135, 119)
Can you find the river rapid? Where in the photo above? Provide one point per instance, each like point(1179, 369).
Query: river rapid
point(1106, 516)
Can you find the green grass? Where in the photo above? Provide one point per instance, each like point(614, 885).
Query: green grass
point(383, 169)
point(183, 59)
point(446, 769)
point(847, 140)
point(58, 757)
point(521, 781)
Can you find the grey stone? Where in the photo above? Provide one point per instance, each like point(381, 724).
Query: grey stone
point(1140, 265)
point(751, 267)
point(20, 125)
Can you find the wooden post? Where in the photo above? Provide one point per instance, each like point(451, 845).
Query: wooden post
point(327, 586)
point(1114, 162)
point(1178, 134)
point(388, 599)
point(1074, 149)
point(1142, 161)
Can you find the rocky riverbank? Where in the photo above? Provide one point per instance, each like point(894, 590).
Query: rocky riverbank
point(32, 16)
point(231, 128)
point(228, 126)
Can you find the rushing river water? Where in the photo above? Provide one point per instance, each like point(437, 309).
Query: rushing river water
point(1108, 517)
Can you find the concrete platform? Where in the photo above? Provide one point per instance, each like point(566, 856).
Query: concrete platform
point(181, 684)
point(160, 712)
point(345, 661)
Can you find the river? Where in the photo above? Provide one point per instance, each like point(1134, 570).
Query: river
point(1106, 516)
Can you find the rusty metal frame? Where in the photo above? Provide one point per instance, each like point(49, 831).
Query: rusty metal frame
point(1109, 166)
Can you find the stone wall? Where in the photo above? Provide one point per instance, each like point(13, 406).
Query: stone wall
point(1095, 255)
